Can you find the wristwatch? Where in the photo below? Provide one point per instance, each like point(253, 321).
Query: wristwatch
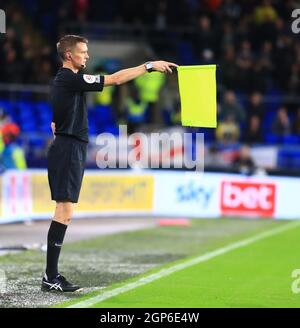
point(149, 67)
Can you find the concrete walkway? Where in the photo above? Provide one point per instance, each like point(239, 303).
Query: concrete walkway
point(35, 233)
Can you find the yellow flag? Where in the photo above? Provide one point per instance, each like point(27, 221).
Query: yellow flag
point(197, 88)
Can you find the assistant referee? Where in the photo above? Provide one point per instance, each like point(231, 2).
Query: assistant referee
point(67, 153)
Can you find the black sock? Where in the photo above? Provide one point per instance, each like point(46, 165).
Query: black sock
point(55, 240)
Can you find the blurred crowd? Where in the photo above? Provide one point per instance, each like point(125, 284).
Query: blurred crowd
point(252, 41)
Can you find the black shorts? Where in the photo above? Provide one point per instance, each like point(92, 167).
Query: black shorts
point(66, 162)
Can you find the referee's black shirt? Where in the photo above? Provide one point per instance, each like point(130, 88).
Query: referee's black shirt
point(68, 102)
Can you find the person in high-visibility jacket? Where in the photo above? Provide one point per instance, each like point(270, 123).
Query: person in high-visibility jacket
point(105, 97)
point(4, 119)
point(13, 155)
point(149, 86)
point(136, 111)
point(1, 143)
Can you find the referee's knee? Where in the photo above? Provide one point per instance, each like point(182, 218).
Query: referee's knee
point(63, 212)
point(67, 221)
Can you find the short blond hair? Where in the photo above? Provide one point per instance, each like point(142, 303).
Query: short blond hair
point(67, 43)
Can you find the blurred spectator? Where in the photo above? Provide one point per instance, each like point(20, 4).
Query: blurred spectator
point(28, 53)
point(11, 41)
point(244, 163)
point(3, 120)
point(13, 69)
point(45, 72)
point(254, 130)
point(228, 39)
point(244, 30)
point(161, 20)
point(136, 111)
point(229, 68)
point(228, 130)
point(265, 17)
point(230, 9)
point(265, 12)
point(244, 63)
point(13, 155)
point(207, 57)
point(293, 83)
point(212, 5)
point(204, 37)
point(17, 22)
point(230, 107)
point(281, 124)
point(286, 7)
point(81, 9)
point(149, 87)
point(263, 67)
point(283, 67)
point(214, 158)
point(255, 107)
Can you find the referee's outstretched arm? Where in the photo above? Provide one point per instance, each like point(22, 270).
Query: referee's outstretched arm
point(129, 74)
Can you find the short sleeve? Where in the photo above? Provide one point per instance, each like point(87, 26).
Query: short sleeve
point(86, 82)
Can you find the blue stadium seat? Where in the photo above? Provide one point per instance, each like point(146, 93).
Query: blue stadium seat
point(268, 120)
point(103, 115)
point(112, 65)
point(44, 116)
point(113, 129)
point(276, 102)
point(272, 139)
point(209, 134)
point(290, 140)
point(93, 129)
point(6, 105)
point(289, 158)
point(166, 116)
point(185, 53)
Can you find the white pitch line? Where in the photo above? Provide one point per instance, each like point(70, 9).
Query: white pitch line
point(165, 272)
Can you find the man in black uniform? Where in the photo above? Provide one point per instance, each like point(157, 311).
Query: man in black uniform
point(67, 153)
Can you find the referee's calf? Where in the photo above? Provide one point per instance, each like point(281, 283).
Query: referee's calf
point(67, 153)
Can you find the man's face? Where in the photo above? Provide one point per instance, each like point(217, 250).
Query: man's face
point(79, 55)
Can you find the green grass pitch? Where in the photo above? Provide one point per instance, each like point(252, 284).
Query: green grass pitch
point(257, 274)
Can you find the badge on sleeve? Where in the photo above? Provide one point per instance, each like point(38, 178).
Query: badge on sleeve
point(89, 78)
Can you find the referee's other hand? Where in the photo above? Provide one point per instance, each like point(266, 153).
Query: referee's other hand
point(163, 66)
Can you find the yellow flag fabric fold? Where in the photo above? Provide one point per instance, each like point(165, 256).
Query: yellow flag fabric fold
point(197, 88)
